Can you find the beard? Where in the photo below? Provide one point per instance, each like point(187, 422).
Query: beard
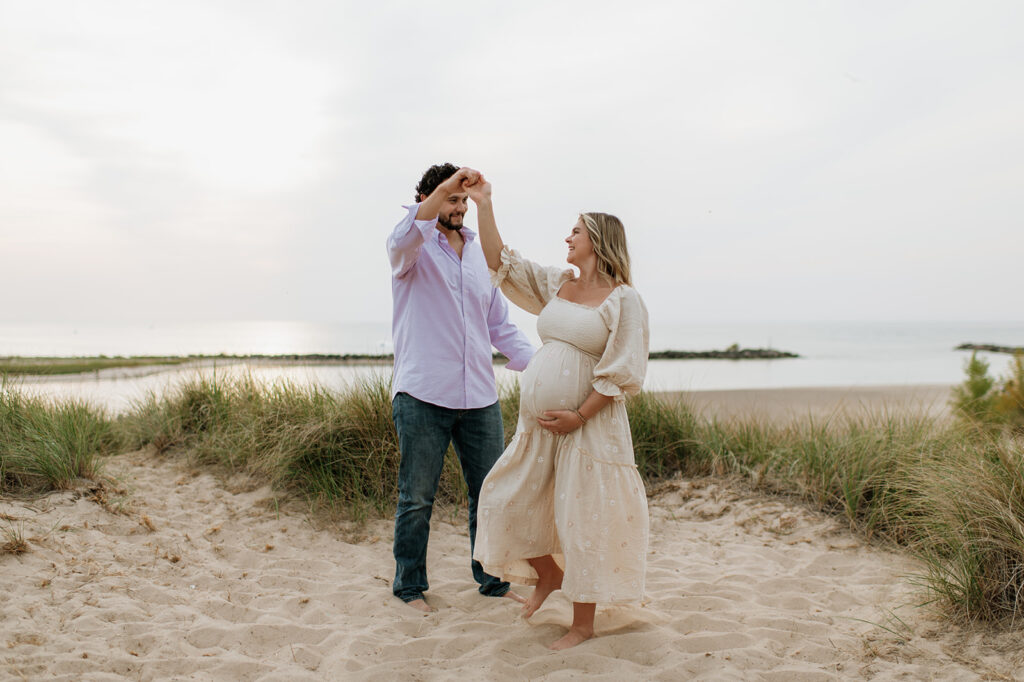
point(447, 223)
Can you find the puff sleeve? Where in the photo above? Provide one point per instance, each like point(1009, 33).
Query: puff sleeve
point(623, 365)
point(527, 284)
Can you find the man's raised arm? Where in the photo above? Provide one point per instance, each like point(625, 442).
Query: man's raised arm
point(431, 206)
point(408, 236)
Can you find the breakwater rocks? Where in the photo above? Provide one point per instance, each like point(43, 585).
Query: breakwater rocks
point(992, 348)
point(731, 353)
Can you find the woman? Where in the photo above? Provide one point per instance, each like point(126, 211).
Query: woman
point(564, 507)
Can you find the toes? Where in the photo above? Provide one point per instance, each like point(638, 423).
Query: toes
point(421, 605)
point(515, 597)
point(570, 640)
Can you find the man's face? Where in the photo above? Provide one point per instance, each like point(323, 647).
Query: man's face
point(453, 211)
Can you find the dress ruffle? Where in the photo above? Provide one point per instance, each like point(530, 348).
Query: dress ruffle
point(498, 276)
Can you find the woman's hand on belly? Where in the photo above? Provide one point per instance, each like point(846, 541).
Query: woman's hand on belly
point(560, 421)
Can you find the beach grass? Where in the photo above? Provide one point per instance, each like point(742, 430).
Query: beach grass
point(334, 449)
point(949, 491)
point(46, 445)
point(968, 520)
point(13, 537)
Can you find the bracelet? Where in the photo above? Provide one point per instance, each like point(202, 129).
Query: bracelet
point(582, 418)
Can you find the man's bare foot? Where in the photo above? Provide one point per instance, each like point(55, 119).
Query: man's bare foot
point(421, 605)
point(545, 587)
point(572, 638)
point(515, 597)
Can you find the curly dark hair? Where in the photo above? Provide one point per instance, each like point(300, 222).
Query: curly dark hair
point(434, 176)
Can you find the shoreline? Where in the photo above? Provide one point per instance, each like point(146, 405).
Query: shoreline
point(118, 388)
point(818, 402)
point(21, 365)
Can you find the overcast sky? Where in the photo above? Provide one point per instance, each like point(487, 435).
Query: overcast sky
point(212, 160)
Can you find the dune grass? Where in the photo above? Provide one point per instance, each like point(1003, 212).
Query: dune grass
point(335, 449)
point(968, 521)
point(854, 466)
point(950, 492)
point(47, 445)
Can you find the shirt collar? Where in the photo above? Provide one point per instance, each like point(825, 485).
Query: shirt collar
point(467, 234)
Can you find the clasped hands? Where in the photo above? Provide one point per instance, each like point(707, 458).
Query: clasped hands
point(471, 181)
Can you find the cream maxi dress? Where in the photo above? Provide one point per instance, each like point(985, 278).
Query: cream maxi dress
point(578, 496)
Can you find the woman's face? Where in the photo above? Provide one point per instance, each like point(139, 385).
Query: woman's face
point(580, 246)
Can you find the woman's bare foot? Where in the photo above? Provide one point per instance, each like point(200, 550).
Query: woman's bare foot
point(575, 636)
point(514, 597)
point(549, 579)
point(421, 605)
point(546, 584)
point(582, 626)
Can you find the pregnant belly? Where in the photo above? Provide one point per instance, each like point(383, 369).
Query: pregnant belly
point(559, 377)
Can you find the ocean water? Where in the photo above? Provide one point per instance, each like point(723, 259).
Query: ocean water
point(832, 353)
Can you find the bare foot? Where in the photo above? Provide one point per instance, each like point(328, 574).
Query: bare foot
point(572, 638)
point(541, 592)
point(514, 597)
point(421, 605)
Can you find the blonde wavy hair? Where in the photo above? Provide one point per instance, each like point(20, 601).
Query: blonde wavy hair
point(609, 239)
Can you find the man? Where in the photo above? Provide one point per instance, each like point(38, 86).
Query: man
point(446, 317)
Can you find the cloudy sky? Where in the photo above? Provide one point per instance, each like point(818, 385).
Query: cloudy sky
point(223, 160)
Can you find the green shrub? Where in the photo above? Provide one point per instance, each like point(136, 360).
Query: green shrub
point(988, 402)
point(1009, 402)
point(974, 398)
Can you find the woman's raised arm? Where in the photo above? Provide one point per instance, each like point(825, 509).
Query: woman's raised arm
point(490, 239)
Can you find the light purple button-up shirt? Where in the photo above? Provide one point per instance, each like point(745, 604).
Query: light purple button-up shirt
point(446, 316)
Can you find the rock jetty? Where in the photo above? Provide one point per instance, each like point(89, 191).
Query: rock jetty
point(730, 353)
point(991, 348)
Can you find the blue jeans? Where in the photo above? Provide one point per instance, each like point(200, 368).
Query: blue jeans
point(424, 432)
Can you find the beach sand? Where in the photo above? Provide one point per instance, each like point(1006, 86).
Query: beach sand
point(781, 404)
point(183, 574)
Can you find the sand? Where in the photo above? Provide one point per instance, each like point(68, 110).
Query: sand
point(182, 575)
point(820, 403)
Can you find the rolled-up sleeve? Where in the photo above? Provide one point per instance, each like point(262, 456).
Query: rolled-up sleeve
point(406, 240)
point(623, 365)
